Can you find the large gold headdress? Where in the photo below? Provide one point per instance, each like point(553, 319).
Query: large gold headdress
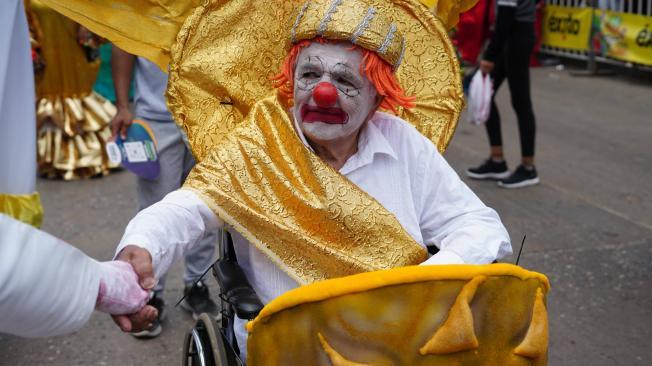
point(227, 51)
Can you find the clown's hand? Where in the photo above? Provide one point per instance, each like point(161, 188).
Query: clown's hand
point(140, 262)
point(120, 293)
point(443, 257)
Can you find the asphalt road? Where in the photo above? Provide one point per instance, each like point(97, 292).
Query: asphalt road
point(588, 227)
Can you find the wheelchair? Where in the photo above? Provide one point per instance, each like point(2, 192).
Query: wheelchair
point(212, 342)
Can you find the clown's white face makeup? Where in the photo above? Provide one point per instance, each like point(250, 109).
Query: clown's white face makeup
point(332, 98)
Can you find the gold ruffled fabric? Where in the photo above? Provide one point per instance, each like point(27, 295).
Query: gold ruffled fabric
point(466, 315)
point(306, 217)
point(72, 135)
point(24, 207)
point(72, 120)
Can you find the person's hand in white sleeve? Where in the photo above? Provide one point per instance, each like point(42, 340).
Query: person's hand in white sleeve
point(119, 291)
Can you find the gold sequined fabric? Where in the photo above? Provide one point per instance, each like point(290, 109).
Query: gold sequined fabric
point(72, 120)
point(463, 315)
point(306, 217)
point(227, 51)
point(449, 11)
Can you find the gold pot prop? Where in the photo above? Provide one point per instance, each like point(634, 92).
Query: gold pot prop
point(425, 315)
point(227, 51)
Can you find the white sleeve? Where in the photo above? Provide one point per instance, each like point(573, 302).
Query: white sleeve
point(47, 287)
point(168, 228)
point(455, 220)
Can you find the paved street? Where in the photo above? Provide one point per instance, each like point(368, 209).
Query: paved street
point(588, 227)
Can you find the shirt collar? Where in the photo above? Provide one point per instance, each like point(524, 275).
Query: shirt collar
point(371, 142)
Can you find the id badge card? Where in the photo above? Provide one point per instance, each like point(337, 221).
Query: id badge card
point(137, 152)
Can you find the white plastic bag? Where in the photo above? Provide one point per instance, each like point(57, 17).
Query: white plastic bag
point(480, 92)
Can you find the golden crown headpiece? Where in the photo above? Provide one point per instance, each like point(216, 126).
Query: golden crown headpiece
point(353, 21)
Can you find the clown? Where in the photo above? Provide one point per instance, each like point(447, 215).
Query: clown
point(316, 182)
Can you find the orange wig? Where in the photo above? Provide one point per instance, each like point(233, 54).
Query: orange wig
point(378, 71)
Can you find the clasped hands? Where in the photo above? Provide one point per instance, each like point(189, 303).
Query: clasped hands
point(125, 284)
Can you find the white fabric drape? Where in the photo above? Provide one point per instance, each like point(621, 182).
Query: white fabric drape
point(47, 287)
point(17, 110)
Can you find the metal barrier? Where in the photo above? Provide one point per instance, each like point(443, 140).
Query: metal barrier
point(639, 7)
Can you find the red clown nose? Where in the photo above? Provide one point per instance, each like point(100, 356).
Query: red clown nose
point(325, 95)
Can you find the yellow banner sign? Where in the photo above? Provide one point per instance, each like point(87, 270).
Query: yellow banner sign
point(567, 28)
point(626, 37)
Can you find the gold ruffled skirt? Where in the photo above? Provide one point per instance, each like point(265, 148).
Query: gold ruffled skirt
point(72, 135)
point(73, 121)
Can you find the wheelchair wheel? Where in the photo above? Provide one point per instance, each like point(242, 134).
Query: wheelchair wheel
point(204, 344)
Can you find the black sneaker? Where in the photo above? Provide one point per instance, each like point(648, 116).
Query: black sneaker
point(198, 301)
point(157, 327)
point(489, 170)
point(522, 177)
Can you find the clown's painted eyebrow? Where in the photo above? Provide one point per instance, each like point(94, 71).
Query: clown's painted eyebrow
point(313, 63)
point(345, 71)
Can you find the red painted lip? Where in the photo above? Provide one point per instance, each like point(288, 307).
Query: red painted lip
point(332, 116)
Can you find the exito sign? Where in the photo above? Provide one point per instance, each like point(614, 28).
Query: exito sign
point(567, 28)
point(626, 37)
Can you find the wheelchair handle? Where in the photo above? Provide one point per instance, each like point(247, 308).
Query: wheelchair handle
point(236, 289)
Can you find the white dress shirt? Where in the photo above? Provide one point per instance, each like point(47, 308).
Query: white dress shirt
point(395, 164)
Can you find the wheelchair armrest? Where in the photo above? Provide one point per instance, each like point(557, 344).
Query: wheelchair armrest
point(236, 289)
